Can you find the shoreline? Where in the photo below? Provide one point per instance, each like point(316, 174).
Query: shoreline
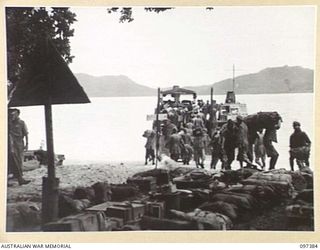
point(112, 162)
point(155, 95)
point(83, 174)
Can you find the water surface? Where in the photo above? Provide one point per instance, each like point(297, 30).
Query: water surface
point(110, 129)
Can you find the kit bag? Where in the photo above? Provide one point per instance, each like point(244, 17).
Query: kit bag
point(161, 175)
point(205, 220)
point(225, 208)
point(241, 202)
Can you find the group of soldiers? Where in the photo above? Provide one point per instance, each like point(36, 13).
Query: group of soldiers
point(192, 140)
point(183, 134)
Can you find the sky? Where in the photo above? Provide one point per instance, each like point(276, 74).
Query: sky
point(191, 45)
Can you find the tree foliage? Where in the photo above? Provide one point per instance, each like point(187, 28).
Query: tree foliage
point(126, 12)
point(26, 27)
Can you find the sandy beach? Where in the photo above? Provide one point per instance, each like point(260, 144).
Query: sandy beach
point(72, 176)
point(86, 174)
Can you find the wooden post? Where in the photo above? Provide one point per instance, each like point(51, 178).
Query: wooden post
point(49, 136)
point(158, 127)
point(211, 97)
point(233, 80)
point(50, 184)
point(212, 114)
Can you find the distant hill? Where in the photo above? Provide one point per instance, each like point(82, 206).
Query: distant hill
point(108, 86)
point(270, 80)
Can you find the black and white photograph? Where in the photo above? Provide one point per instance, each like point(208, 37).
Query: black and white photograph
point(160, 118)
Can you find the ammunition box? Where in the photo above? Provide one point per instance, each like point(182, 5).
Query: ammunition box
point(156, 209)
point(124, 213)
point(138, 210)
point(145, 184)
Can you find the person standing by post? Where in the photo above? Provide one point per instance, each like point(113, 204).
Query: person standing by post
point(299, 146)
point(18, 131)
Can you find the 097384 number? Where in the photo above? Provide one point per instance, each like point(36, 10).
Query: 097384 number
point(311, 246)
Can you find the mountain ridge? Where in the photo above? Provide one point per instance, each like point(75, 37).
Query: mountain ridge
point(271, 80)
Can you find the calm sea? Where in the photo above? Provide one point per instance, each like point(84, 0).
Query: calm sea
point(110, 129)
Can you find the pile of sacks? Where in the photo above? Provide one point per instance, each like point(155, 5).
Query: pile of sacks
point(235, 195)
point(204, 198)
point(196, 198)
point(262, 120)
point(280, 182)
point(251, 196)
point(23, 216)
point(194, 178)
point(224, 198)
point(262, 190)
point(301, 207)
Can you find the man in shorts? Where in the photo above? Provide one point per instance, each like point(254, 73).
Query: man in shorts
point(17, 143)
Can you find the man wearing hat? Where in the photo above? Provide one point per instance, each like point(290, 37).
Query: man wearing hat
point(299, 146)
point(16, 145)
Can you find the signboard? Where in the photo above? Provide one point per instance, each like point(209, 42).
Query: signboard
point(154, 117)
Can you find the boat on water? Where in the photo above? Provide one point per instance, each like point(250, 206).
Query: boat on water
point(176, 92)
point(210, 110)
point(176, 111)
point(230, 109)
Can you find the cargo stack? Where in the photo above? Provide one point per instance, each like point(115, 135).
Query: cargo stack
point(195, 199)
point(301, 210)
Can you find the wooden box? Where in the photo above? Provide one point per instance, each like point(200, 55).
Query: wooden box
point(89, 221)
